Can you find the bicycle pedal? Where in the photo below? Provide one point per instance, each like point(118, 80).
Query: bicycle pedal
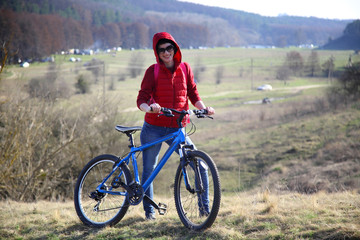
point(162, 208)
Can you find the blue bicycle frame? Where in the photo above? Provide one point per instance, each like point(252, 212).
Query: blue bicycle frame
point(179, 138)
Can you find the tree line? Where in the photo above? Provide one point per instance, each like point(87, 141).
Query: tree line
point(34, 36)
point(34, 29)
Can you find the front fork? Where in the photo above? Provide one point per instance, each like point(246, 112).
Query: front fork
point(185, 160)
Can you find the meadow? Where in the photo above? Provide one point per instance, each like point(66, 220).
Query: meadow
point(289, 169)
point(246, 215)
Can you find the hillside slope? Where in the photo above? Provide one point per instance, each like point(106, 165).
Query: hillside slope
point(305, 147)
point(350, 40)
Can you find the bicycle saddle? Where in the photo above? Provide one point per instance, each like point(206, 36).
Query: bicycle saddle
point(127, 130)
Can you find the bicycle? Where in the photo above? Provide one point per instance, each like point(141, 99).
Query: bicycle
point(106, 187)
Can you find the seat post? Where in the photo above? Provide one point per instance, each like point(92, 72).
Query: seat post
point(131, 139)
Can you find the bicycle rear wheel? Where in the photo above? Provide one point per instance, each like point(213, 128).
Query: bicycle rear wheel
point(96, 209)
point(197, 210)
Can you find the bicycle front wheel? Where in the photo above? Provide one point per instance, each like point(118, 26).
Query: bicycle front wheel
point(96, 209)
point(197, 191)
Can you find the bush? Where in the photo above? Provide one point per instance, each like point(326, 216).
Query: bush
point(96, 67)
point(43, 148)
point(283, 73)
point(31, 145)
point(347, 87)
point(82, 85)
point(136, 64)
point(350, 81)
point(198, 68)
point(219, 74)
point(50, 86)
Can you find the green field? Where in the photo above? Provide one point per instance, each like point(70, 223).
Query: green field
point(275, 160)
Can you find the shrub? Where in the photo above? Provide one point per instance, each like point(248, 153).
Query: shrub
point(82, 85)
point(136, 64)
point(283, 73)
point(219, 74)
point(111, 85)
point(50, 86)
point(198, 68)
point(43, 148)
point(96, 67)
point(350, 81)
point(347, 87)
point(31, 145)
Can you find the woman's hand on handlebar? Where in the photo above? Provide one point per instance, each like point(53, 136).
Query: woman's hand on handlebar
point(201, 105)
point(155, 108)
point(210, 110)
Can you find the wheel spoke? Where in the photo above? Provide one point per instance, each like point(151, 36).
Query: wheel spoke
point(95, 208)
point(198, 210)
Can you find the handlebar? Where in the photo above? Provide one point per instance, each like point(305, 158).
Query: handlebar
point(200, 113)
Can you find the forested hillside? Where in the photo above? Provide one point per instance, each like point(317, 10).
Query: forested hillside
point(34, 29)
point(350, 40)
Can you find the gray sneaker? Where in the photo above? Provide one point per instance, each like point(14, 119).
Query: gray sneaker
point(150, 217)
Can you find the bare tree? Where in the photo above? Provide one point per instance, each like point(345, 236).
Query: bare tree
point(328, 67)
point(283, 73)
point(95, 66)
point(295, 62)
point(219, 74)
point(198, 69)
point(313, 65)
point(49, 87)
point(136, 64)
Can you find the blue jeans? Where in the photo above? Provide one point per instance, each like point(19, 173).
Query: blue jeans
point(150, 133)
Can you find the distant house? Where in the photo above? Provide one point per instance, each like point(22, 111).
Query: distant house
point(25, 65)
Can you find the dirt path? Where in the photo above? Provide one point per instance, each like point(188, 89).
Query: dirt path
point(292, 89)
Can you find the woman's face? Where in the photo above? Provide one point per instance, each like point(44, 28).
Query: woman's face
point(166, 54)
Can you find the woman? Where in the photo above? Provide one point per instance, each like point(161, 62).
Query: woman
point(166, 85)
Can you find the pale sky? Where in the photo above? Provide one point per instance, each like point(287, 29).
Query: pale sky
point(330, 9)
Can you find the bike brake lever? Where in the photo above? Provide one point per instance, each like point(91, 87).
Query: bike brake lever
point(205, 116)
point(166, 114)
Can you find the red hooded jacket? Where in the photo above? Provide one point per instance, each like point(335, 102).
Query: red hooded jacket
point(171, 89)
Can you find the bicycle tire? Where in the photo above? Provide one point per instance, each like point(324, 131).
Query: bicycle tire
point(108, 209)
point(187, 203)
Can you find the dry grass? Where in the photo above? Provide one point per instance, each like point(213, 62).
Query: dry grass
point(249, 215)
point(293, 143)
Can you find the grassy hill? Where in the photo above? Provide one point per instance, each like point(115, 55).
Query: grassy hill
point(289, 169)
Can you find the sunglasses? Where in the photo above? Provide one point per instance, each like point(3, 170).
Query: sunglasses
point(168, 49)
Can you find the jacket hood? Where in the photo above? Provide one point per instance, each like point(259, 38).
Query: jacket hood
point(165, 35)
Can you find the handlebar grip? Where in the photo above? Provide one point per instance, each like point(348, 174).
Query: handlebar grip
point(201, 112)
point(204, 111)
point(166, 112)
